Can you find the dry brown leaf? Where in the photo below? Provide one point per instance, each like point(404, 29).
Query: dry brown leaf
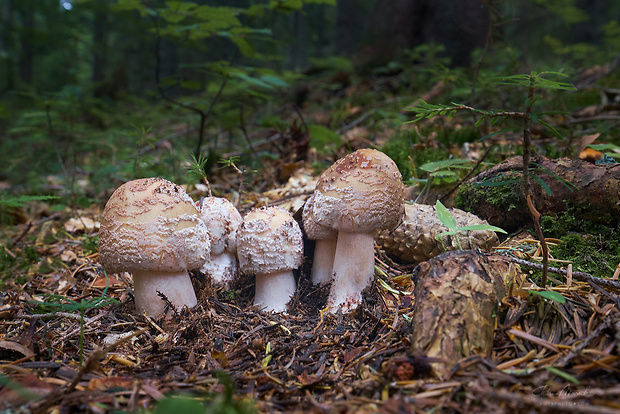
point(14, 346)
point(77, 225)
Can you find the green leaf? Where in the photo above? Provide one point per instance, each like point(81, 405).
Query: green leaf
point(439, 165)
point(444, 216)
point(562, 374)
point(244, 46)
point(322, 139)
point(482, 227)
point(549, 294)
point(542, 184)
point(550, 128)
point(194, 85)
point(490, 135)
point(604, 147)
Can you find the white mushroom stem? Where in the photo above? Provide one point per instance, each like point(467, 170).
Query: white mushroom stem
point(323, 261)
point(177, 286)
point(222, 269)
point(274, 290)
point(354, 269)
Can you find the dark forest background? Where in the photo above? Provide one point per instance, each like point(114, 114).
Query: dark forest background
point(95, 92)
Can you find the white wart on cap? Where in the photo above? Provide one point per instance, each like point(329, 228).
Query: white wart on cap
point(151, 228)
point(222, 220)
point(356, 196)
point(270, 246)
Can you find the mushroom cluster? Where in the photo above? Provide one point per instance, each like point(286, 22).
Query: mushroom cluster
point(356, 196)
point(151, 228)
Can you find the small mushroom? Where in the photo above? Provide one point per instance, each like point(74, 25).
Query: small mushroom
point(222, 220)
point(356, 196)
point(269, 245)
point(150, 227)
point(324, 247)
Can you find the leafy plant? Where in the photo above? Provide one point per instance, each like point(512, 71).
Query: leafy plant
point(449, 221)
point(531, 82)
point(440, 172)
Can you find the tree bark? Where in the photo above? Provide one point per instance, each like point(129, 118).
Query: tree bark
point(594, 191)
point(456, 297)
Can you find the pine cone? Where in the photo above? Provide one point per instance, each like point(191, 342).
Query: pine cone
point(415, 239)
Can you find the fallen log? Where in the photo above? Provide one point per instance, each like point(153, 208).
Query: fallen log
point(457, 295)
point(593, 190)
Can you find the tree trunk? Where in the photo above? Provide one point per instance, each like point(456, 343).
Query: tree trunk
point(7, 45)
point(594, 191)
point(100, 47)
point(456, 298)
point(27, 48)
point(348, 26)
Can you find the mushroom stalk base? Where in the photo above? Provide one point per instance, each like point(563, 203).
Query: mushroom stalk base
point(323, 261)
point(274, 290)
point(176, 286)
point(354, 269)
point(221, 268)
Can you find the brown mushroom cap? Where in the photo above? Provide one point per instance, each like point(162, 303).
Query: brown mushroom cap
point(268, 241)
point(360, 193)
point(152, 223)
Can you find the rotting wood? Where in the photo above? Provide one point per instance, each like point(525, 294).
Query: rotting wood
point(594, 189)
point(456, 296)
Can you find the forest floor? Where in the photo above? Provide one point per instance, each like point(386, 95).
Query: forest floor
point(547, 356)
point(70, 340)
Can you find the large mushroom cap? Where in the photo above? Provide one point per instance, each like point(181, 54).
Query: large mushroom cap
point(222, 220)
point(360, 193)
point(152, 223)
point(268, 241)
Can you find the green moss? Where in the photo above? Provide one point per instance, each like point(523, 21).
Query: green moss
point(591, 247)
point(506, 195)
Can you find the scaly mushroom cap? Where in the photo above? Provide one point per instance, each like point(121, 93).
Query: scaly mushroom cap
point(268, 241)
point(360, 193)
point(222, 220)
point(313, 230)
point(152, 223)
point(415, 239)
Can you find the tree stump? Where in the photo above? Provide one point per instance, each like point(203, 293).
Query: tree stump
point(593, 190)
point(457, 295)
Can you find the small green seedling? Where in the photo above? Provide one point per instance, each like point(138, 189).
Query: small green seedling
point(450, 222)
point(548, 294)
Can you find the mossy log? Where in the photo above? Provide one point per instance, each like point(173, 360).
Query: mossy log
point(456, 299)
point(593, 190)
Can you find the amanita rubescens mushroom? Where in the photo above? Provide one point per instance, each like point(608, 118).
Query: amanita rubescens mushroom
point(151, 228)
point(324, 247)
point(222, 220)
point(269, 245)
point(356, 196)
